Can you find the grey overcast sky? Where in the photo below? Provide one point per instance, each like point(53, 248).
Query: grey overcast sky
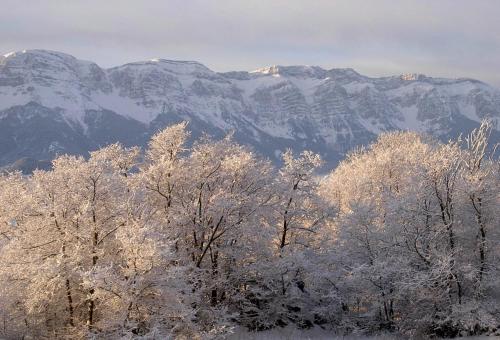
point(451, 38)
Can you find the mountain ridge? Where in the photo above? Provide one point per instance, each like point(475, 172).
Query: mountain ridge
point(273, 108)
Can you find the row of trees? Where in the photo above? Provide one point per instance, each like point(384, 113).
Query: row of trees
point(187, 242)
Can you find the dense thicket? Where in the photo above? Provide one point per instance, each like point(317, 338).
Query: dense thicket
point(187, 242)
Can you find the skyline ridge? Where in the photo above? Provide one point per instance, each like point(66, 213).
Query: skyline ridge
point(262, 70)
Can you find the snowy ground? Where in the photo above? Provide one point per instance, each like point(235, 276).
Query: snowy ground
point(290, 333)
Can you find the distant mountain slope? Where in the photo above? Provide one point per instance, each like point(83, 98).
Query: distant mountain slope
point(52, 103)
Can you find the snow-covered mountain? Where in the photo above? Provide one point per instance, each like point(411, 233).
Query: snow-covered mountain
point(53, 103)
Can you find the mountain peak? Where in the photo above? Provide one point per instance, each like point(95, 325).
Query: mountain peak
point(40, 53)
point(299, 71)
point(174, 66)
point(412, 76)
point(306, 71)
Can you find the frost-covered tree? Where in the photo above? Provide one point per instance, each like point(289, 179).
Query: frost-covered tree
point(410, 242)
point(164, 164)
point(79, 260)
point(287, 289)
point(218, 213)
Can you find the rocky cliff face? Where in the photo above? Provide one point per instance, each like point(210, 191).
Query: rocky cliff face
point(52, 103)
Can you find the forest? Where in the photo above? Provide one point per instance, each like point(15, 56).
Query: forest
point(189, 241)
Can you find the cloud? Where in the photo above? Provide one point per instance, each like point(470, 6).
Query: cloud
point(451, 38)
